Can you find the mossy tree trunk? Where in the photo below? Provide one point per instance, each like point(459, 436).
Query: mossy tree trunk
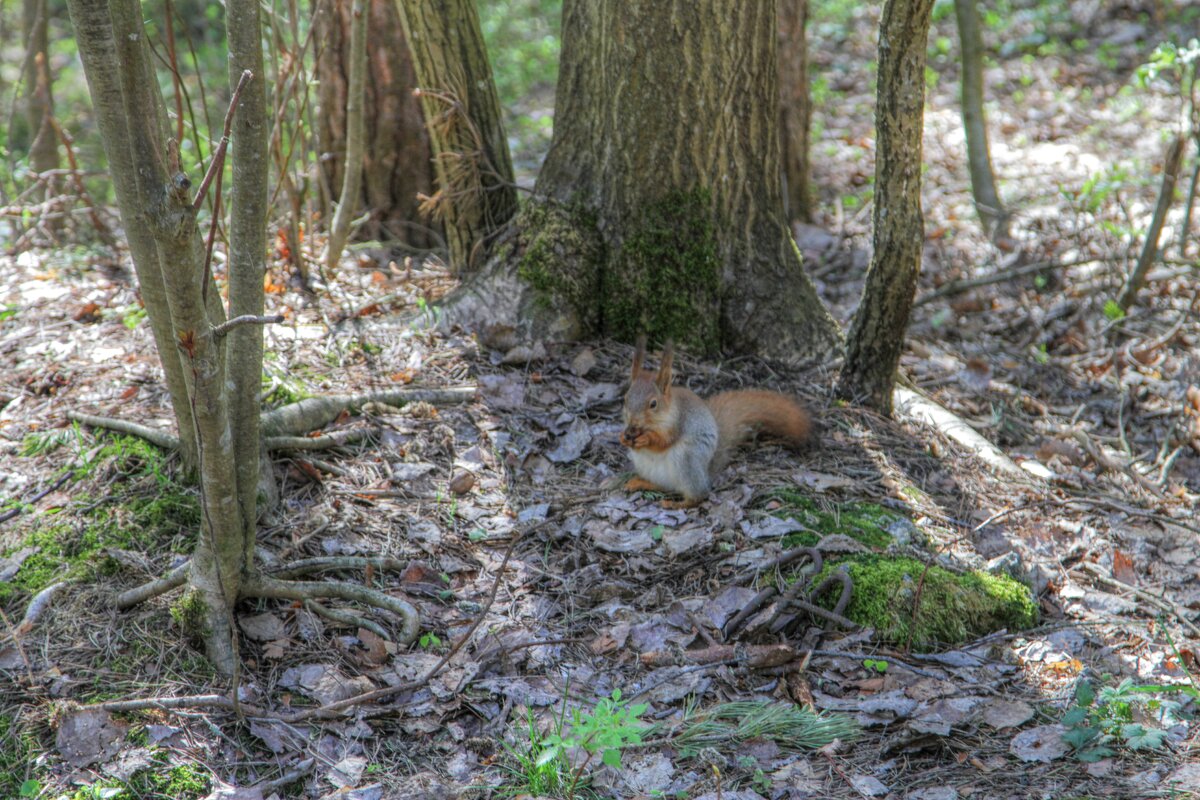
point(660, 206)
point(877, 334)
point(795, 107)
point(398, 162)
point(979, 159)
point(476, 193)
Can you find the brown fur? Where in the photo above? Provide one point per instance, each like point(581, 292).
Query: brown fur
point(743, 414)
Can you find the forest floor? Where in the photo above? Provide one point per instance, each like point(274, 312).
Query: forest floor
point(507, 511)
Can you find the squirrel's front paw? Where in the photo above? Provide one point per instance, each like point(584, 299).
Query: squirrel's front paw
point(634, 438)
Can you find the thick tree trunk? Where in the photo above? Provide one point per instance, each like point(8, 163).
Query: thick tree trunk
point(877, 334)
point(660, 204)
point(476, 193)
point(979, 160)
point(36, 85)
point(795, 107)
point(398, 164)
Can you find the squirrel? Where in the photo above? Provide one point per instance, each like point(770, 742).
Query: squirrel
point(678, 441)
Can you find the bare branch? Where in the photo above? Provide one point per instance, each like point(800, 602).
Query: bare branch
point(246, 319)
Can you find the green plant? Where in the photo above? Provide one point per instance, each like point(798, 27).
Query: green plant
point(30, 789)
point(1113, 310)
point(429, 641)
point(530, 771)
point(609, 728)
point(1128, 715)
point(876, 665)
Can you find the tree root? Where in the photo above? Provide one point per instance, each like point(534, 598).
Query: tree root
point(312, 413)
point(264, 586)
point(161, 439)
point(758, 656)
point(284, 428)
point(308, 566)
point(345, 618)
point(140, 594)
point(38, 606)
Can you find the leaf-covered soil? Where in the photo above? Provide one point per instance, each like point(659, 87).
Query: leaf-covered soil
point(509, 526)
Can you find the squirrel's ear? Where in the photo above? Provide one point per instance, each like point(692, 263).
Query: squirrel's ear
point(639, 355)
point(664, 369)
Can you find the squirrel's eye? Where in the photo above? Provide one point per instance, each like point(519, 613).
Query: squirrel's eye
point(653, 404)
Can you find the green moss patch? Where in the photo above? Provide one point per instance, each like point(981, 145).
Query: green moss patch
point(666, 279)
point(866, 523)
point(155, 515)
point(954, 608)
point(562, 257)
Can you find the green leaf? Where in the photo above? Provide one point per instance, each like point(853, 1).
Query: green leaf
point(612, 758)
point(1085, 695)
point(1113, 311)
point(547, 755)
point(30, 789)
point(1139, 737)
point(1075, 716)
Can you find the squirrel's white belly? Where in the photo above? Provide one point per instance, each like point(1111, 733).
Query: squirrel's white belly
point(659, 468)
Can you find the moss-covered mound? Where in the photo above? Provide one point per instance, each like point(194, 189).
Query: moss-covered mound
point(866, 523)
point(954, 608)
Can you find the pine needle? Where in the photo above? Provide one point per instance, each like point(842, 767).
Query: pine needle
point(789, 726)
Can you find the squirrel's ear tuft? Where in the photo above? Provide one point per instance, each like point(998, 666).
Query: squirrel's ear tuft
point(664, 369)
point(639, 355)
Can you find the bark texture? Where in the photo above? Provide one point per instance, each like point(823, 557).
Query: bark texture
point(795, 108)
point(398, 163)
point(476, 194)
point(877, 334)
point(247, 259)
point(661, 204)
point(979, 160)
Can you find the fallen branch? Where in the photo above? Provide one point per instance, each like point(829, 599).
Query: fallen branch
point(759, 656)
point(966, 284)
point(922, 409)
point(1158, 602)
point(15, 510)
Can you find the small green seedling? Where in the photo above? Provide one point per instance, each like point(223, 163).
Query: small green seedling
point(612, 726)
point(1126, 715)
point(876, 665)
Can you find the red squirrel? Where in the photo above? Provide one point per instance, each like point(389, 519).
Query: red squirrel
point(678, 441)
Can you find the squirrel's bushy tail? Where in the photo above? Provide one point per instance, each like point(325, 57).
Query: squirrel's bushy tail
point(742, 414)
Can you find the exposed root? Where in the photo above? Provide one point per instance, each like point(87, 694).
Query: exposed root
point(156, 437)
point(346, 618)
point(312, 413)
point(308, 566)
point(264, 586)
point(751, 656)
point(323, 442)
point(38, 606)
point(140, 594)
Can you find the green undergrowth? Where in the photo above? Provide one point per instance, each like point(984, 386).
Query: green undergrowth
point(160, 780)
point(866, 523)
point(18, 747)
point(142, 508)
point(954, 608)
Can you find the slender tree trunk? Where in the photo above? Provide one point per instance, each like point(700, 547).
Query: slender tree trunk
point(247, 259)
point(339, 228)
point(476, 193)
point(1172, 165)
point(877, 334)
point(979, 160)
point(93, 31)
point(660, 202)
point(795, 107)
point(36, 85)
point(398, 162)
